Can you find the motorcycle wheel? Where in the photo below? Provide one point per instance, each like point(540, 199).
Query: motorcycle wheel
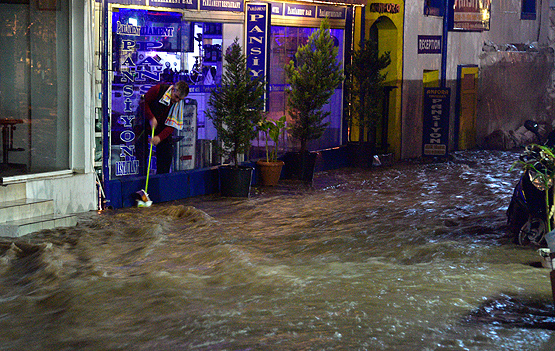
point(532, 232)
point(516, 219)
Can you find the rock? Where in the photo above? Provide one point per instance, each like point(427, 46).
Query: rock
point(498, 140)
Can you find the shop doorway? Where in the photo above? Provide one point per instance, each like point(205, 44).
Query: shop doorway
point(383, 32)
point(467, 79)
point(165, 48)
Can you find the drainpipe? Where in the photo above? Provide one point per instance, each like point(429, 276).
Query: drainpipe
point(444, 44)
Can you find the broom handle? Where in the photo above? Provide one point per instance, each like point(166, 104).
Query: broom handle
point(149, 158)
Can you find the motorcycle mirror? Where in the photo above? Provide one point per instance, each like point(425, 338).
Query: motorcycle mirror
point(531, 126)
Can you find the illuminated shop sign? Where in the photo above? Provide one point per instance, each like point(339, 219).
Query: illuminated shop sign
point(222, 5)
point(435, 129)
point(331, 12)
point(209, 5)
point(277, 8)
point(257, 25)
point(297, 10)
point(138, 44)
point(384, 8)
point(318, 11)
point(308, 11)
point(469, 15)
point(177, 4)
point(126, 2)
point(129, 29)
point(127, 122)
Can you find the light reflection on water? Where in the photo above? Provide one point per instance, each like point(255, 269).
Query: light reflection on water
point(410, 257)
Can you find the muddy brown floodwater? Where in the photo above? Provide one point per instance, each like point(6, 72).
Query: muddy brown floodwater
point(406, 257)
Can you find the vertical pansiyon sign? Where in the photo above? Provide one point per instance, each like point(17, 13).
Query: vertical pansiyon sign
point(257, 32)
point(435, 129)
point(138, 69)
point(132, 74)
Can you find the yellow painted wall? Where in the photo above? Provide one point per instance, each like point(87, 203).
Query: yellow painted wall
point(390, 38)
point(468, 87)
point(430, 78)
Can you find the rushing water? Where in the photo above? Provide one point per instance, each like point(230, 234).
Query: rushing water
point(407, 257)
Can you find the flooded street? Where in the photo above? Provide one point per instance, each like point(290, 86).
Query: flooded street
point(407, 257)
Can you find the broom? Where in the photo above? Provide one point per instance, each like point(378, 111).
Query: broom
point(144, 200)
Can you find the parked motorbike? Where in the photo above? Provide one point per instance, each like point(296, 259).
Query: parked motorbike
point(527, 214)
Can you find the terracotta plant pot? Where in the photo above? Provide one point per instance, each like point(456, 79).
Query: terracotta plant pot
point(269, 172)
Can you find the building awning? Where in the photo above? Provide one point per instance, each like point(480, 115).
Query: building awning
point(346, 2)
point(338, 2)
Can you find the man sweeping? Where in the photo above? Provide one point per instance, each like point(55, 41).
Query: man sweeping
point(164, 112)
point(163, 109)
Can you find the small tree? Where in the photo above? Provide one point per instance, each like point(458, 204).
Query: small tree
point(365, 88)
point(237, 106)
point(313, 77)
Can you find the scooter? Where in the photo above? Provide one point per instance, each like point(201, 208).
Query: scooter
point(526, 215)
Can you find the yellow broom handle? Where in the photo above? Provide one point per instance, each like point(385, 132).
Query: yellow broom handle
point(149, 158)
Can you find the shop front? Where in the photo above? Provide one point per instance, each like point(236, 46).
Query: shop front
point(46, 105)
point(155, 42)
point(384, 23)
point(292, 24)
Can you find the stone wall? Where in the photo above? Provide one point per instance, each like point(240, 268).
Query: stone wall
point(514, 86)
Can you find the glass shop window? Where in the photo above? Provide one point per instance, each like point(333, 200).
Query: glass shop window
point(34, 107)
point(284, 42)
point(434, 7)
point(528, 10)
point(161, 47)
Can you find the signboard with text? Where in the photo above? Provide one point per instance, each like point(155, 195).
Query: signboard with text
point(435, 137)
point(299, 10)
point(257, 19)
point(469, 15)
point(278, 8)
point(222, 5)
point(140, 42)
point(429, 44)
point(184, 157)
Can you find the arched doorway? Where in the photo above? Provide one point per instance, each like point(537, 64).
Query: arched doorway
point(384, 33)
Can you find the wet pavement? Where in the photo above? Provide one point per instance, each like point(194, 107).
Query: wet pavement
point(406, 257)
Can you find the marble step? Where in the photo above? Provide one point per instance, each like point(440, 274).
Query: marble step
point(13, 192)
point(25, 208)
point(22, 227)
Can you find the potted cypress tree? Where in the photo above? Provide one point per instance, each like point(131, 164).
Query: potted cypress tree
point(313, 77)
point(270, 168)
point(235, 107)
point(365, 90)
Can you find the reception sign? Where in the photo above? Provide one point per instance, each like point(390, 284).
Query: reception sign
point(429, 44)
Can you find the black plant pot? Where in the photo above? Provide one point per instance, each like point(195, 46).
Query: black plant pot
point(361, 154)
point(299, 166)
point(235, 181)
